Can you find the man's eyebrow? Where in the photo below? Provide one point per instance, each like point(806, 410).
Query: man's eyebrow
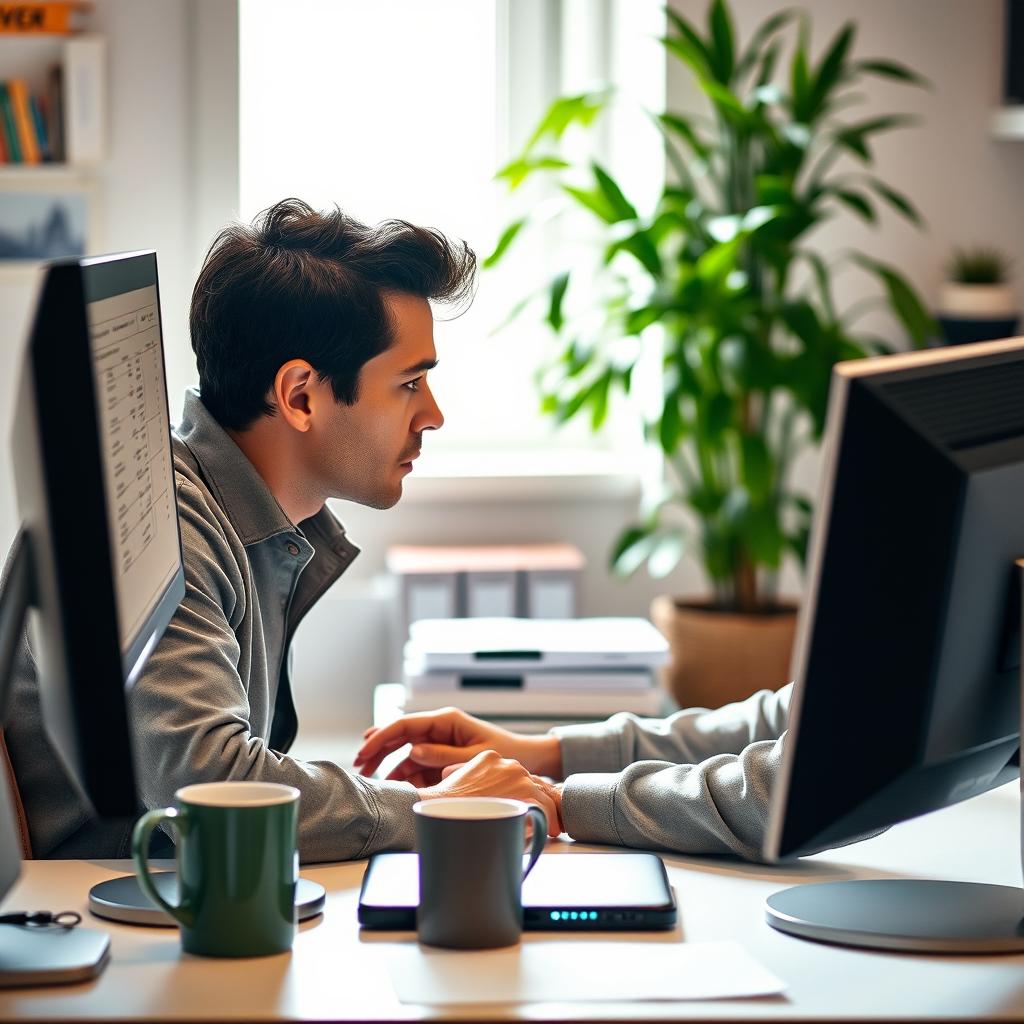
point(422, 366)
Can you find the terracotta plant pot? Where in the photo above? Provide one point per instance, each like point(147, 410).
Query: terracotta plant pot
point(719, 657)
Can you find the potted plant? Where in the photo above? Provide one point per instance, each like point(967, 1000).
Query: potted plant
point(976, 303)
point(721, 275)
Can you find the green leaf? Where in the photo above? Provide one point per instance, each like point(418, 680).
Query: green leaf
point(640, 245)
point(854, 137)
point(800, 78)
point(821, 274)
point(597, 399)
point(631, 549)
point(722, 54)
point(764, 32)
point(904, 300)
point(688, 45)
point(564, 111)
point(557, 290)
point(891, 69)
point(726, 102)
point(517, 171)
point(897, 200)
point(507, 237)
point(666, 554)
point(856, 202)
point(671, 427)
point(830, 71)
point(715, 415)
point(595, 201)
point(624, 210)
point(803, 323)
point(681, 127)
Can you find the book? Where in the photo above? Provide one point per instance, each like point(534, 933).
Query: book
point(54, 111)
point(55, 17)
point(10, 128)
point(35, 104)
point(17, 90)
point(84, 100)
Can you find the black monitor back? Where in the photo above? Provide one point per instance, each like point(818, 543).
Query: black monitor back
point(907, 663)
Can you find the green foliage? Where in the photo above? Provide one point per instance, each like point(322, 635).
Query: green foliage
point(980, 265)
point(722, 267)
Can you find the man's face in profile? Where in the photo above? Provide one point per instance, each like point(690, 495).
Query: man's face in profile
point(366, 449)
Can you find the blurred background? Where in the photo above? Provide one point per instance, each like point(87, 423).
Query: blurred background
point(182, 115)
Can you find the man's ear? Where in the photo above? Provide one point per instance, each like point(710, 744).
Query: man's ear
point(293, 393)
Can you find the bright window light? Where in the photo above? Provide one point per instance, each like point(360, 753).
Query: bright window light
point(400, 108)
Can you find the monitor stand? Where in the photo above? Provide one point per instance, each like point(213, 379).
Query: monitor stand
point(910, 915)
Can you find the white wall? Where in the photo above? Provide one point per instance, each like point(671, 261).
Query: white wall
point(172, 179)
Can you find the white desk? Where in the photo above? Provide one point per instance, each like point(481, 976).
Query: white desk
point(335, 972)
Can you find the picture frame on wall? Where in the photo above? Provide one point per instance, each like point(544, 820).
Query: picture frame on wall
point(45, 218)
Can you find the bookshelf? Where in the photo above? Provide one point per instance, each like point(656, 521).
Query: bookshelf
point(66, 78)
point(54, 92)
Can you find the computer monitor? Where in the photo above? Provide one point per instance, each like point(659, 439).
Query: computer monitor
point(907, 690)
point(97, 566)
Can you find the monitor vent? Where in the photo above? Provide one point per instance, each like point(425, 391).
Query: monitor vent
point(967, 408)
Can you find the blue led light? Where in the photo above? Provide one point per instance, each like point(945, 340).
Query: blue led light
point(593, 915)
point(555, 915)
point(574, 915)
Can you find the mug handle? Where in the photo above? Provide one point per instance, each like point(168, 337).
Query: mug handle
point(540, 836)
point(144, 827)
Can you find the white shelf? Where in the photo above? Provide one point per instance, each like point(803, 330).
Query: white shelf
point(1008, 123)
point(56, 174)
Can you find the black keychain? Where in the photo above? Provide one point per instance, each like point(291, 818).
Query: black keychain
point(43, 919)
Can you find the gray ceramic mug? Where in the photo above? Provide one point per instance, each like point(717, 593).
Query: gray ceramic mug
point(471, 869)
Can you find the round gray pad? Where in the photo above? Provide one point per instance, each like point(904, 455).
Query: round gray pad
point(122, 900)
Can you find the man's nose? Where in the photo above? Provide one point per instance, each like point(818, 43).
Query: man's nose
point(431, 418)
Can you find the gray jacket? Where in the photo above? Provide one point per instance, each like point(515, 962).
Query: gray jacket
point(697, 782)
point(214, 701)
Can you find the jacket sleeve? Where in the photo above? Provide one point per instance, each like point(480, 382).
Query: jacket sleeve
point(189, 712)
point(697, 782)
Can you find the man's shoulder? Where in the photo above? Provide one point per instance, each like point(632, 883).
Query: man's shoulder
point(204, 522)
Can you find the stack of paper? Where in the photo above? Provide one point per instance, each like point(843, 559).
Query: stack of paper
point(535, 667)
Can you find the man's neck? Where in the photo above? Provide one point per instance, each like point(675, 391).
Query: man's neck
point(263, 447)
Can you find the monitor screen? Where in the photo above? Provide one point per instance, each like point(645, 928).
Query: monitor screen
point(127, 361)
point(91, 448)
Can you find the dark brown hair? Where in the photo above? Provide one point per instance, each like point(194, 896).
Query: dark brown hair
point(298, 284)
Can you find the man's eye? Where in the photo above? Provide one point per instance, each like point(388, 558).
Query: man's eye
point(413, 385)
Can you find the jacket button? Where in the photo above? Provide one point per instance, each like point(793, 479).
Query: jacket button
point(293, 549)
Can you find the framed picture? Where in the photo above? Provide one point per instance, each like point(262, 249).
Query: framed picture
point(43, 219)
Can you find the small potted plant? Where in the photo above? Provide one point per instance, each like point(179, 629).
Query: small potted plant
point(976, 303)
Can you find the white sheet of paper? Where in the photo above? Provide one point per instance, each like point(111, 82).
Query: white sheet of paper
point(578, 972)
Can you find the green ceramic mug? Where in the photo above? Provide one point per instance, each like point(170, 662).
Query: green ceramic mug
point(237, 866)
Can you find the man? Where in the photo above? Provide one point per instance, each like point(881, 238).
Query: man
point(313, 336)
point(697, 782)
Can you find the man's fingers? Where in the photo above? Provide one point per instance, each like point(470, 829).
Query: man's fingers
point(440, 755)
point(423, 725)
point(446, 771)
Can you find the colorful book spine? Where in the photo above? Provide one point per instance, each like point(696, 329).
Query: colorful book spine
point(17, 90)
point(10, 129)
point(56, 17)
point(35, 104)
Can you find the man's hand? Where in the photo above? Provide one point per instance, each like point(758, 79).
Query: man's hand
point(447, 737)
point(490, 774)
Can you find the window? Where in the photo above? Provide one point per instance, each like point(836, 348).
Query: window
point(400, 108)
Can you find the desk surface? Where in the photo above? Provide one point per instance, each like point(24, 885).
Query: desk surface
point(335, 972)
